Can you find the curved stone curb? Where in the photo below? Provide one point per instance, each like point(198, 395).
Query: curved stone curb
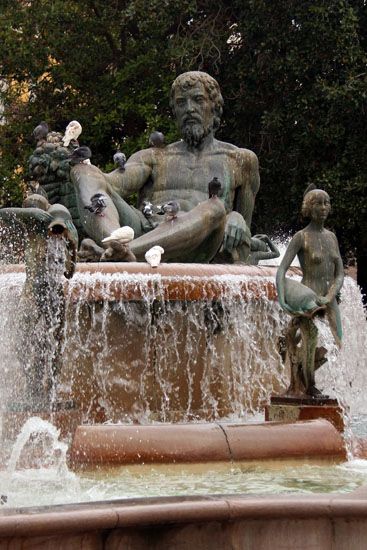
point(189, 443)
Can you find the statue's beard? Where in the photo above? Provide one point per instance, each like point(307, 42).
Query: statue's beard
point(194, 134)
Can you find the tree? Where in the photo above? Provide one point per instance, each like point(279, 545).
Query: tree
point(293, 75)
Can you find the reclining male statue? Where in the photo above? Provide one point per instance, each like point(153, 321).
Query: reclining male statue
point(180, 172)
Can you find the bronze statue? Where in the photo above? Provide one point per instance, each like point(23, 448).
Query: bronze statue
point(262, 248)
point(181, 172)
point(318, 253)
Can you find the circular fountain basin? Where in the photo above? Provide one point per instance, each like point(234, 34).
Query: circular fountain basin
point(223, 522)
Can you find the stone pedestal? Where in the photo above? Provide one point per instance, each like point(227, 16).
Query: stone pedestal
point(64, 415)
point(291, 409)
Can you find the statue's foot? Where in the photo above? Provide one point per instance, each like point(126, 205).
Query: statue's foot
point(316, 393)
point(293, 391)
point(89, 251)
point(118, 252)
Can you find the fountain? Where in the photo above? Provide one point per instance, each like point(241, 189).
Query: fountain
point(126, 380)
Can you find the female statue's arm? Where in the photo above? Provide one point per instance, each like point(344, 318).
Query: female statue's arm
point(339, 275)
point(291, 252)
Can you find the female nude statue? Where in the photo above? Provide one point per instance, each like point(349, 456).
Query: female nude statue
point(318, 253)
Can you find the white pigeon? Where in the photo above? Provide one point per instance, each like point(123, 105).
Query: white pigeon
point(73, 131)
point(123, 235)
point(153, 256)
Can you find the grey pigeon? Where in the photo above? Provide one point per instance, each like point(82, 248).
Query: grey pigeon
point(97, 204)
point(214, 187)
point(171, 209)
point(156, 139)
point(80, 155)
point(40, 132)
point(120, 160)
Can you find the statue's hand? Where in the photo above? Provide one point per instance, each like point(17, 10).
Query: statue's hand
point(236, 232)
point(261, 237)
point(286, 307)
point(322, 300)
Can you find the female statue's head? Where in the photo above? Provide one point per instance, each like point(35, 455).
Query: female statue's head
point(316, 203)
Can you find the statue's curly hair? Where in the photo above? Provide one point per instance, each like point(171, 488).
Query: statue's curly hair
point(309, 199)
point(189, 79)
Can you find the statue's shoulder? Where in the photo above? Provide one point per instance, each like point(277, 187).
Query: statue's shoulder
point(239, 152)
point(175, 147)
point(145, 156)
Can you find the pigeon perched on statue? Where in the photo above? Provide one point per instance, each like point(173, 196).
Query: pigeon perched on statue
point(97, 204)
point(40, 133)
point(156, 139)
point(171, 210)
point(81, 155)
point(153, 255)
point(214, 188)
point(123, 235)
point(72, 132)
point(148, 213)
point(119, 160)
point(147, 209)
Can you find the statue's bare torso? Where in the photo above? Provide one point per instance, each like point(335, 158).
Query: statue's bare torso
point(175, 172)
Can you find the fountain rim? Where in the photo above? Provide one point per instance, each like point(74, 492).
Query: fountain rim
point(166, 269)
point(150, 511)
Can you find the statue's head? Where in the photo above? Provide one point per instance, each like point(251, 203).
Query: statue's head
point(198, 105)
point(314, 200)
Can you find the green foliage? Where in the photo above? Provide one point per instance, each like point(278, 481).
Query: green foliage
point(293, 75)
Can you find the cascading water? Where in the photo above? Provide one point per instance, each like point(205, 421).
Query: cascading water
point(152, 359)
point(146, 359)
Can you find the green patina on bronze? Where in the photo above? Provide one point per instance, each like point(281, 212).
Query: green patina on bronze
point(322, 269)
point(180, 171)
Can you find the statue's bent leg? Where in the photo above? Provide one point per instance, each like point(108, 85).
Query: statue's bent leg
point(309, 342)
point(184, 238)
point(88, 180)
point(333, 315)
point(292, 339)
point(193, 236)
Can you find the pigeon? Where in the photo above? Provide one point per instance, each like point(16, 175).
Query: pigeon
point(72, 132)
point(156, 139)
point(214, 188)
point(153, 256)
point(147, 209)
point(40, 132)
point(123, 235)
point(171, 209)
point(97, 204)
point(120, 160)
point(81, 155)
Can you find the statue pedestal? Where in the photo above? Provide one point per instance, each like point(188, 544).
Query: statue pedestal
point(64, 415)
point(291, 409)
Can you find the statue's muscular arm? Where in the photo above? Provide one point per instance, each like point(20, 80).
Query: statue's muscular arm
point(137, 171)
point(247, 184)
